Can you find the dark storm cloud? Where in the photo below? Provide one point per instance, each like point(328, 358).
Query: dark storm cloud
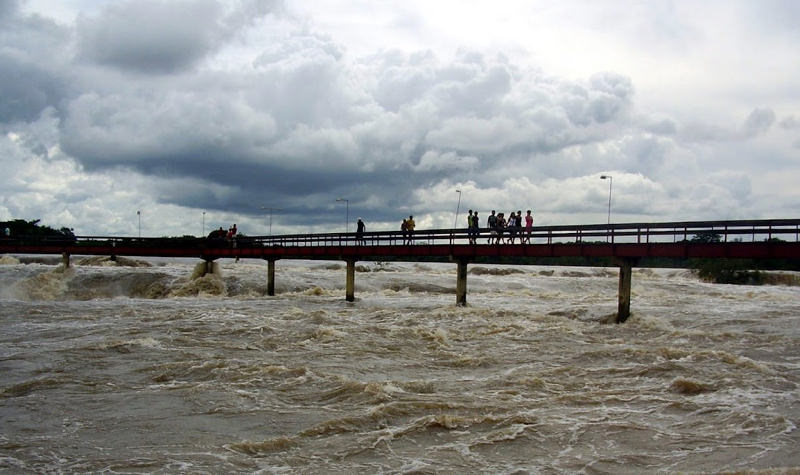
point(303, 126)
point(8, 8)
point(32, 50)
point(26, 89)
point(159, 36)
point(151, 36)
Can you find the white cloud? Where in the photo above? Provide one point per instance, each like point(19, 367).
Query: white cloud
point(449, 161)
point(225, 106)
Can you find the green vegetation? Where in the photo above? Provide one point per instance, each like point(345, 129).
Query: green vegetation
point(20, 227)
point(737, 271)
point(727, 271)
point(706, 237)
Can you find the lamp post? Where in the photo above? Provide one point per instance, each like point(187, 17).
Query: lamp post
point(139, 215)
point(270, 216)
point(204, 225)
point(610, 183)
point(455, 220)
point(347, 214)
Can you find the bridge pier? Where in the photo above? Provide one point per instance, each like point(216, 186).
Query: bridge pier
point(271, 277)
point(351, 281)
point(65, 260)
point(207, 268)
point(624, 296)
point(461, 282)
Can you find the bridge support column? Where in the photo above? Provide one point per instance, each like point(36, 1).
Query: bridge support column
point(461, 282)
point(351, 281)
point(624, 303)
point(271, 277)
point(209, 267)
point(65, 260)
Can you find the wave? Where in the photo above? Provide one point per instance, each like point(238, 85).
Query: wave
point(689, 386)
point(206, 285)
point(8, 261)
point(495, 271)
point(109, 262)
point(278, 444)
point(28, 387)
point(100, 277)
point(415, 287)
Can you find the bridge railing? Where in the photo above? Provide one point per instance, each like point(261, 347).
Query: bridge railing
point(642, 233)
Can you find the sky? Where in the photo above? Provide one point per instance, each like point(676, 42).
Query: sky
point(176, 117)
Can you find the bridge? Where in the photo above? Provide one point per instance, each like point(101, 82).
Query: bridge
point(624, 244)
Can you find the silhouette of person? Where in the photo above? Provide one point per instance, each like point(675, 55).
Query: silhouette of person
point(360, 227)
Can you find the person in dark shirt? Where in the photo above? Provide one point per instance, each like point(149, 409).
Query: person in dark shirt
point(360, 228)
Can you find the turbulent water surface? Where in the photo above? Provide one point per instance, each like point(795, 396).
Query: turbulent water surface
point(134, 368)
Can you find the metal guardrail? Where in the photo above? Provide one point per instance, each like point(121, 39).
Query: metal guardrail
point(723, 231)
point(752, 230)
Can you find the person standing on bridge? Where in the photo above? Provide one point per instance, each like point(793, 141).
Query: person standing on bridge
point(511, 225)
point(469, 226)
point(501, 224)
point(360, 227)
point(528, 226)
point(518, 225)
point(474, 227)
point(410, 228)
point(491, 223)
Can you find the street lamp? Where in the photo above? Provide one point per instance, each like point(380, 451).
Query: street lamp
point(610, 182)
point(455, 220)
point(204, 224)
point(270, 216)
point(347, 214)
point(139, 214)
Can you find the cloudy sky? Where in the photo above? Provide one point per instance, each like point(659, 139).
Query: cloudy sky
point(204, 113)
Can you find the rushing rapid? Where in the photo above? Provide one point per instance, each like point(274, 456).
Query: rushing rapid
point(146, 366)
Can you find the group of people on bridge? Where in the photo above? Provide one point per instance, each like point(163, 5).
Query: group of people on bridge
point(220, 233)
point(498, 225)
point(407, 226)
point(501, 229)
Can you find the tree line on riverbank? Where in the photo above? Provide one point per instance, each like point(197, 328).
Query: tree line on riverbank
point(20, 227)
